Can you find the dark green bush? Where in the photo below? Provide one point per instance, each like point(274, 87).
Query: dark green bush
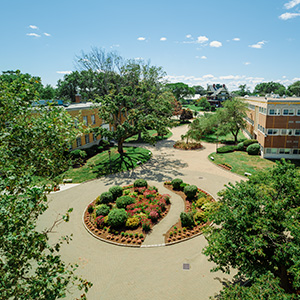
point(106, 197)
point(226, 149)
point(75, 154)
point(140, 183)
point(240, 147)
point(249, 142)
point(186, 219)
point(102, 210)
point(253, 149)
point(190, 191)
point(117, 217)
point(176, 184)
point(123, 201)
point(117, 191)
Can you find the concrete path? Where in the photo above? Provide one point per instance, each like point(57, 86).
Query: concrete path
point(142, 273)
point(156, 236)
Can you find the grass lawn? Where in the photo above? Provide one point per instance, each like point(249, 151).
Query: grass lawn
point(193, 107)
point(134, 139)
point(212, 138)
point(100, 164)
point(241, 162)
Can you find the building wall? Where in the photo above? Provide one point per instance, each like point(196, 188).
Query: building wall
point(276, 126)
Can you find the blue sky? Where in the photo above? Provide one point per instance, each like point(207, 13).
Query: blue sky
point(195, 41)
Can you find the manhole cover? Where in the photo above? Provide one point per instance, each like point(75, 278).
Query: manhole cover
point(186, 266)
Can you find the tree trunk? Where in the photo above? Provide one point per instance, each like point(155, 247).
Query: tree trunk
point(120, 147)
point(284, 280)
point(139, 136)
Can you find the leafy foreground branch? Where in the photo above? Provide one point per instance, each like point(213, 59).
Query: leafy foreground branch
point(258, 233)
point(31, 268)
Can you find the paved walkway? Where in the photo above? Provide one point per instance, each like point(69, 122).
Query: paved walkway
point(145, 273)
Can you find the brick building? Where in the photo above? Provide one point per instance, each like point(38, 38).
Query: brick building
point(275, 123)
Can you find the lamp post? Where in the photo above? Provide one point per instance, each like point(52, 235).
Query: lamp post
point(109, 161)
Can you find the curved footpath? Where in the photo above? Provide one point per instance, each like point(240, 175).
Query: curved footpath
point(143, 273)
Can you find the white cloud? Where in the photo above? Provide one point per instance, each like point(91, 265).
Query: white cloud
point(33, 27)
point(291, 4)
point(33, 34)
point(163, 39)
point(236, 39)
point(215, 44)
point(208, 76)
point(47, 34)
point(202, 39)
point(115, 46)
point(284, 76)
point(296, 79)
point(247, 63)
point(138, 58)
point(64, 72)
point(189, 36)
point(203, 57)
point(258, 45)
point(230, 77)
point(287, 16)
point(141, 38)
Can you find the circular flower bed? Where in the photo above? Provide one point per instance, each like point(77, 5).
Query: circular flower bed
point(124, 215)
point(198, 206)
point(187, 146)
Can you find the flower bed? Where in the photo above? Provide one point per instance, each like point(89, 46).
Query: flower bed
point(225, 166)
point(124, 215)
point(198, 205)
point(187, 146)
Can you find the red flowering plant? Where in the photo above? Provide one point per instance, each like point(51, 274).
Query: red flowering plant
point(153, 215)
point(140, 190)
point(146, 224)
point(150, 193)
point(100, 221)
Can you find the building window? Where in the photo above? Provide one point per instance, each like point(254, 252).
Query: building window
point(251, 106)
point(85, 120)
point(271, 150)
point(298, 112)
point(272, 131)
point(87, 139)
point(274, 112)
point(78, 142)
point(76, 122)
point(296, 151)
point(93, 119)
point(262, 110)
point(288, 112)
point(297, 131)
point(284, 151)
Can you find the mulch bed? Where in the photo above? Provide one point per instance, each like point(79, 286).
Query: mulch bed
point(114, 236)
point(185, 233)
point(190, 146)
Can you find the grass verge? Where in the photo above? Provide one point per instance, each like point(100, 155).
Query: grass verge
point(224, 139)
point(134, 139)
point(100, 164)
point(241, 162)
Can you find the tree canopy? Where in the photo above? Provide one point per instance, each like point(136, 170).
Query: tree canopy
point(32, 142)
point(180, 90)
point(270, 87)
point(257, 231)
point(294, 89)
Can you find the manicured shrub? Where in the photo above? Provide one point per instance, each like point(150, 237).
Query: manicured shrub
point(140, 183)
point(249, 142)
point(199, 216)
point(116, 191)
point(167, 198)
point(102, 209)
point(176, 184)
point(190, 191)
point(123, 201)
point(77, 154)
point(146, 224)
point(201, 201)
point(132, 222)
point(90, 208)
point(106, 197)
point(226, 149)
point(253, 149)
point(100, 221)
point(240, 147)
point(117, 217)
point(186, 219)
point(153, 215)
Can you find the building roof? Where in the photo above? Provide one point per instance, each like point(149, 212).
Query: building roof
point(295, 100)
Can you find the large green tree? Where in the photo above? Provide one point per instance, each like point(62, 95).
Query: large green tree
point(270, 87)
point(231, 117)
point(294, 89)
point(257, 232)
point(180, 90)
point(134, 100)
point(32, 142)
